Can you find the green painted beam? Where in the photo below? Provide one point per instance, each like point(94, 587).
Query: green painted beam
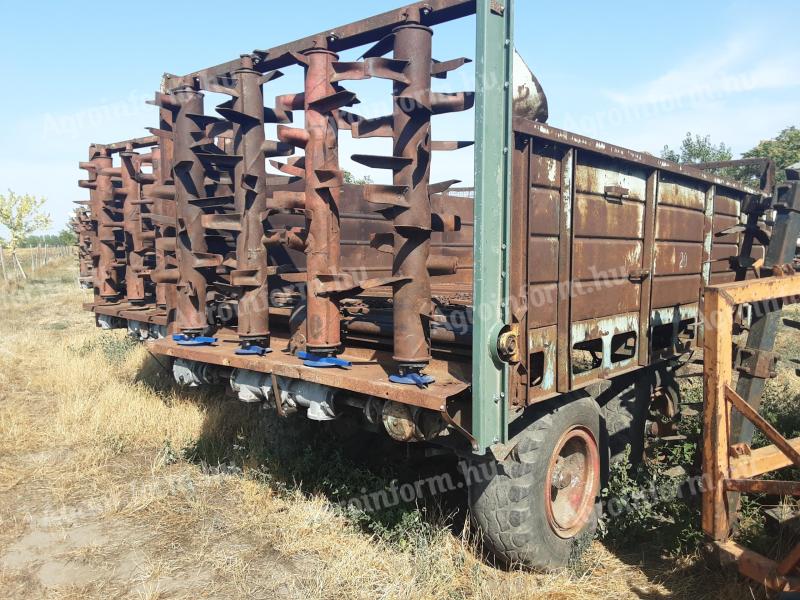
point(493, 154)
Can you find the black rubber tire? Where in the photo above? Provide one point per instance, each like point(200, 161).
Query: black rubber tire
point(507, 501)
point(626, 409)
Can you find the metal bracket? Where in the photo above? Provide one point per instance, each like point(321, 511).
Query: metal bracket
point(756, 363)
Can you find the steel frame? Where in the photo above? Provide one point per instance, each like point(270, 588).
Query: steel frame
point(730, 466)
point(491, 239)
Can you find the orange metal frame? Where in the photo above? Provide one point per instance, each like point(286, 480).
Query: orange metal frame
point(734, 468)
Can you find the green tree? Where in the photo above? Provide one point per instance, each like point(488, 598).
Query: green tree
point(784, 149)
point(21, 216)
point(352, 179)
point(696, 149)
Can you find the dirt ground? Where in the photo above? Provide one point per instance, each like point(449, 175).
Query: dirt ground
point(97, 499)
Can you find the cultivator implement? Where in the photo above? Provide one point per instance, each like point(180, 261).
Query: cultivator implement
point(236, 239)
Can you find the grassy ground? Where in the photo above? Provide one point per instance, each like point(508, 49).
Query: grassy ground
point(114, 484)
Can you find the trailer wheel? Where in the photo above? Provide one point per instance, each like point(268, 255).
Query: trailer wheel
point(625, 416)
point(538, 507)
point(626, 409)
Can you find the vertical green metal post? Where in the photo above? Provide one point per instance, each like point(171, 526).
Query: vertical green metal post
point(493, 148)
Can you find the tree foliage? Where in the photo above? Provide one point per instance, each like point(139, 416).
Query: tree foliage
point(65, 237)
point(352, 179)
point(784, 149)
point(696, 149)
point(21, 216)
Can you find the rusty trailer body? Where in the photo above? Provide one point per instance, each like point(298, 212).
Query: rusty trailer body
point(421, 306)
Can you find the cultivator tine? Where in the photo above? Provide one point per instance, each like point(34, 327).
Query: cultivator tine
point(366, 128)
point(451, 102)
point(442, 186)
point(222, 222)
point(292, 170)
point(449, 146)
point(440, 69)
point(388, 195)
point(272, 148)
point(332, 102)
point(381, 68)
point(394, 163)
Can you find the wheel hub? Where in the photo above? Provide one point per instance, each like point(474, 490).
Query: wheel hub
point(574, 478)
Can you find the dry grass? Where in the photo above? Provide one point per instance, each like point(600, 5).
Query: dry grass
point(94, 504)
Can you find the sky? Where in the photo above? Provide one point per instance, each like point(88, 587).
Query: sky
point(636, 74)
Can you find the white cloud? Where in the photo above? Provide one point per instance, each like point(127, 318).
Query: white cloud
point(730, 68)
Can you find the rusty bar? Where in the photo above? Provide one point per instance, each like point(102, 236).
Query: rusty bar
point(648, 258)
point(191, 246)
point(560, 136)
point(412, 226)
point(165, 209)
point(250, 193)
point(132, 223)
point(107, 281)
point(563, 344)
point(763, 486)
point(349, 36)
point(323, 182)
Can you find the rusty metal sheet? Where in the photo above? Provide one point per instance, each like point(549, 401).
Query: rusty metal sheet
point(542, 131)
point(598, 259)
point(542, 305)
point(603, 298)
point(675, 290)
point(723, 277)
point(722, 223)
point(679, 225)
point(543, 266)
point(545, 169)
point(677, 258)
point(595, 174)
point(721, 255)
point(726, 203)
point(544, 211)
point(683, 192)
point(595, 216)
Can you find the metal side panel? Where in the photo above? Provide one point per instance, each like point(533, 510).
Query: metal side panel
point(494, 47)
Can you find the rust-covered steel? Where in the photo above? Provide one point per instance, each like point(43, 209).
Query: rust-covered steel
point(260, 263)
point(214, 231)
point(321, 236)
point(195, 263)
point(246, 113)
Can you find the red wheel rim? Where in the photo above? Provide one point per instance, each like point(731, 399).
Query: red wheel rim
point(573, 480)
